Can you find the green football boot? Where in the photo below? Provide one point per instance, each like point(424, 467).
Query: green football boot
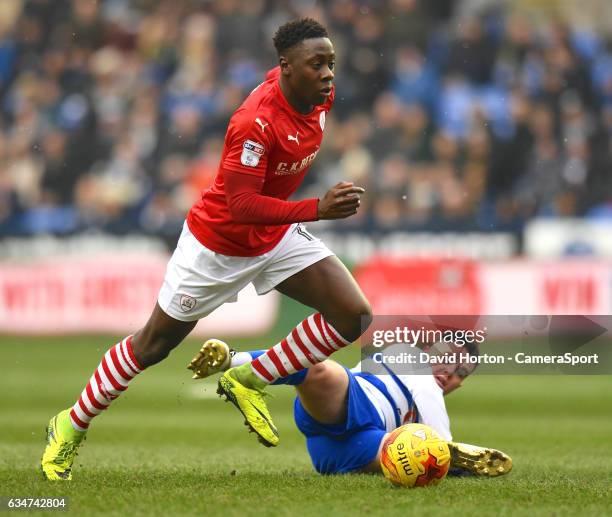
point(63, 442)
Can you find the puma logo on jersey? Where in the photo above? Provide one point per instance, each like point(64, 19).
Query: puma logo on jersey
point(261, 124)
point(294, 138)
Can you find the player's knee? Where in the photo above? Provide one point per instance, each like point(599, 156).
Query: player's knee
point(149, 350)
point(317, 372)
point(366, 317)
point(363, 317)
point(354, 320)
point(323, 375)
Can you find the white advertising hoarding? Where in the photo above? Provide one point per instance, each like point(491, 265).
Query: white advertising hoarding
point(111, 294)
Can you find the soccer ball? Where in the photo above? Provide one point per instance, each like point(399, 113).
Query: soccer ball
point(414, 455)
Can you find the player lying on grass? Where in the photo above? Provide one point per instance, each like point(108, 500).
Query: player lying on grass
point(345, 414)
point(244, 230)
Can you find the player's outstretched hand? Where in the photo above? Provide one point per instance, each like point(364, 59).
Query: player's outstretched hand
point(340, 201)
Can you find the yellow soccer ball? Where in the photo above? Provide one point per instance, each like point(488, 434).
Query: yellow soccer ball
point(414, 455)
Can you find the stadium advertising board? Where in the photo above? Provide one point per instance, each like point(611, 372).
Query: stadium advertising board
point(108, 294)
point(441, 286)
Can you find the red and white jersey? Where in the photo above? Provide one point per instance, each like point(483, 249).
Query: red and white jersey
point(268, 138)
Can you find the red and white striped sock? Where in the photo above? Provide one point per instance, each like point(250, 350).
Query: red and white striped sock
point(117, 368)
point(311, 342)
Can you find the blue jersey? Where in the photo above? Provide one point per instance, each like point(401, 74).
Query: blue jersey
point(376, 404)
point(403, 399)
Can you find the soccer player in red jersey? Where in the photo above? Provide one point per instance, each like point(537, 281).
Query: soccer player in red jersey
point(244, 230)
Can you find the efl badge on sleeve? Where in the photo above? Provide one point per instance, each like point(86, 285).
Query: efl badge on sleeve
point(251, 153)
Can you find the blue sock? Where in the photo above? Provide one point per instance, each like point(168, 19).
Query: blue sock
point(294, 379)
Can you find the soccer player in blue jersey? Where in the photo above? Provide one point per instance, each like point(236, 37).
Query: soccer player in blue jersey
point(346, 414)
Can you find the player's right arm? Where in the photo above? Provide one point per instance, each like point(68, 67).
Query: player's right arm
point(247, 205)
point(340, 201)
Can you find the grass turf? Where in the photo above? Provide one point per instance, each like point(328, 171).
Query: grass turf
point(170, 446)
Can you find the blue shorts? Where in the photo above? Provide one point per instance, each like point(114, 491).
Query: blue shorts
point(342, 448)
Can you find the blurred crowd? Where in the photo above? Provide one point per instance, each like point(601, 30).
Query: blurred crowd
point(455, 115)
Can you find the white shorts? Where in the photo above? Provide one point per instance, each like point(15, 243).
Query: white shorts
point(199, 280)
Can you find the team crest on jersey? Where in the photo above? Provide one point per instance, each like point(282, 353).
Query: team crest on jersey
point(322, 120)
point(251, 153)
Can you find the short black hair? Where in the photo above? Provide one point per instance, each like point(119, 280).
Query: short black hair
point(296, 31)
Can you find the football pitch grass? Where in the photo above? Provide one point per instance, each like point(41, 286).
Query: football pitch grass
point(170, 446)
